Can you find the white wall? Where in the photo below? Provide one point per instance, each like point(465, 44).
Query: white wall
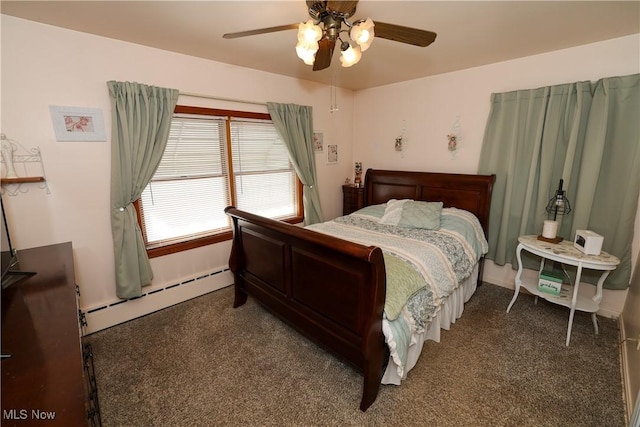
point(44, 65)
point(428, 109)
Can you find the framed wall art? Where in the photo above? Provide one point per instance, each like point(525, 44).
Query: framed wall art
point(332, 154)
point(318, 141)
point(77, 123)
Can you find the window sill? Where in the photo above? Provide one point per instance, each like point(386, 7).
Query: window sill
point(158, 251)
point(154, 252)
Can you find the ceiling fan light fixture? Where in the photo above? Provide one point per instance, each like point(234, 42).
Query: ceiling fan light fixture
point(309, 32)
point(350, 56)
point(330, 25)
point(307, 51)
point(362, 33)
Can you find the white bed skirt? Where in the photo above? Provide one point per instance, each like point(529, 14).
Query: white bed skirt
point(449, 312)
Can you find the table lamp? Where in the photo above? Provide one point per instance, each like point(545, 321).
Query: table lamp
point(558, 205)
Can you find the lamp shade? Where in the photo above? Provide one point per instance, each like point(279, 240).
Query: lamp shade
point(558, 204)
point(362, 33)
point(309, 32)
point(307, 51)
point(350, 56)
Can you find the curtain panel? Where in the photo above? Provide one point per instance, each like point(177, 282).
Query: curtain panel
point(141, 118)
point(586, 133)
point(294, 123)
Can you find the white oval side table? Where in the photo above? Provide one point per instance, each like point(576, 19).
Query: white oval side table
point(565, 253)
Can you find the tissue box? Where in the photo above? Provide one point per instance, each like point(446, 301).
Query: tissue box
point(550, 282)
point(588, 242)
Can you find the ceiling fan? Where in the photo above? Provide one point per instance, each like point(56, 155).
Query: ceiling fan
point(316, 42)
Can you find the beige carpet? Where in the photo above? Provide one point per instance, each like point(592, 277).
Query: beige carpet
point(203, 363)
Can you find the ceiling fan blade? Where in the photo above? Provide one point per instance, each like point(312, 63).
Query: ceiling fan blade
point(324, 54)
point(344, 7)
point(260, 31)
point(402, 34)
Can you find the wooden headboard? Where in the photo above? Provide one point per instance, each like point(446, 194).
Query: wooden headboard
point(468, 192)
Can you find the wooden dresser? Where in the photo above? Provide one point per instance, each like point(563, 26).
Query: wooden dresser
point(47, 374)
point(352, 198)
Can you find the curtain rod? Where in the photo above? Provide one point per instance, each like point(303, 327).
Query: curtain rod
point(218, 98)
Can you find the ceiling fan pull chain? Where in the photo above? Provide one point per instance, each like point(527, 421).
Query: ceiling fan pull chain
point(334, 97)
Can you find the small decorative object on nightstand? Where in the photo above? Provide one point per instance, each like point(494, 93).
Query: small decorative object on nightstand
point(352, 198)
point(358, 171)
point(588, 242)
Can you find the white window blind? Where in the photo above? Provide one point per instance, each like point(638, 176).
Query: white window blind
point(191, 187)
point(265, 181)
point(189, 191)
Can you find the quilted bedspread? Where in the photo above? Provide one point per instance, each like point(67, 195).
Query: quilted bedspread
point(423, 267)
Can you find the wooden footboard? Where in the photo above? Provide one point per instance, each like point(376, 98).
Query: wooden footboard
point(331, 290)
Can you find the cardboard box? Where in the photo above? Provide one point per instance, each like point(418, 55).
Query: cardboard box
point(550, 282)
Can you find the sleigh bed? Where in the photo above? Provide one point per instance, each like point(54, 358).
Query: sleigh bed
point(334, 290)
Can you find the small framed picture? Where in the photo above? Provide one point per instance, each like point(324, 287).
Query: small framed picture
point(318, 141)
point(77, 123)
point(332, 154)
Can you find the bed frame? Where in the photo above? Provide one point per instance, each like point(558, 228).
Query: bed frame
point(332, 290)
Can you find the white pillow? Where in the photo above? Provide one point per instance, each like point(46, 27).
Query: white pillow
point(393, 211)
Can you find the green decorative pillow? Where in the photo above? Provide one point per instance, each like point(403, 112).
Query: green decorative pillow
point(413, 214)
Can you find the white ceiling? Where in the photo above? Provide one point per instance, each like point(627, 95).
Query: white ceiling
point(470, 33)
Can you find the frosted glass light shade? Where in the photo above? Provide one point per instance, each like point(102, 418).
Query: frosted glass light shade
point(307, 51)
point(350, 56)
point(309, 32)
point(363, 34)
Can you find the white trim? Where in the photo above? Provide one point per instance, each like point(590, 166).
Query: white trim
point(629, 399)
point(154, 299)
point(635, 415)
point(220, 98)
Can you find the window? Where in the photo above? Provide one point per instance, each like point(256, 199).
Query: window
point(213, 159)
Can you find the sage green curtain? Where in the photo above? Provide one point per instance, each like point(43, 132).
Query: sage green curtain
point(587, 133)
point(141, 118)
point(294, 124)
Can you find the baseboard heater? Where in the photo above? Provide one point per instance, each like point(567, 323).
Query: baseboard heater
point(116, 312)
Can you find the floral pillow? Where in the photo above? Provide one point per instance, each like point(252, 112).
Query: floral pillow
point(412, 214)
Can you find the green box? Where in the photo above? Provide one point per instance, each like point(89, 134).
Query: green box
point(550, 282)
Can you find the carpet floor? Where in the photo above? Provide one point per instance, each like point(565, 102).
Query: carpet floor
point(203, 363)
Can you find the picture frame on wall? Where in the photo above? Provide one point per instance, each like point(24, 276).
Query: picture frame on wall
point(332, 154)
point(318, 141)
point(77, 123)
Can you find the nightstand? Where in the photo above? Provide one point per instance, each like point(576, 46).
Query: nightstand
point(352, 198)
point(565, 253)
